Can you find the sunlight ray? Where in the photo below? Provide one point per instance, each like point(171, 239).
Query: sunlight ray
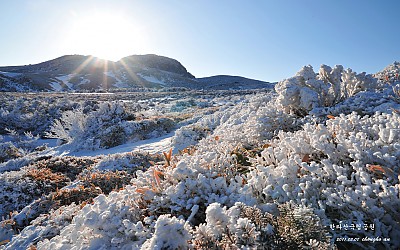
point(130, 72)
point(82, 65)
point(105, 76)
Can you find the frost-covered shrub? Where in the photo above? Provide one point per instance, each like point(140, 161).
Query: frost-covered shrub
point(248, 122)
point(106, 127)
point(390, 74)
point(308, 90)
point(396, 93)
point(113, 136)
point(179, 106)
point(24, 113)
point(19, 188)
point(364, 103)
point(70, 127)
point(100, 128)
point(43, 227)
point(149, 128)
point(189, 135)
point(170, 233)
point(9, 151)
point(111, 222)
point(241, 226)
point(19, 146)
point(347, 169)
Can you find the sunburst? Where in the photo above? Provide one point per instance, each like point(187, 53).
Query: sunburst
point(104, 34)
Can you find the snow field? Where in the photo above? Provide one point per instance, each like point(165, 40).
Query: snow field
point(273, 170)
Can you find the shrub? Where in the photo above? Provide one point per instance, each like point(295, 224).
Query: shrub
point(107, 127)
point(100, 128)
point(9, 151)
point(308, 90)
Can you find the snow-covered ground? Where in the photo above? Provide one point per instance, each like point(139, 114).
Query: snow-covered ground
point(56, 86)
point(151, 79)
point(65, 79)
point(10, 74)
point(312, 165)
point(156, 145)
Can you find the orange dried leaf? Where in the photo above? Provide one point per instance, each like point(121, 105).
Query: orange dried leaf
point(168, 157)
point(306, 158)
point(395, 110)
point(157, 175)
point(165, 156)
point(331, 117)
point(142, 190)
point(4, 242)
point(376, 168)
point(216, 137)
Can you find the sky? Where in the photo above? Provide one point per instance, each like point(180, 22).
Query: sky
point(266, 40)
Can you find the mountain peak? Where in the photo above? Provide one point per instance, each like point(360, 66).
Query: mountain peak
point(157, 62)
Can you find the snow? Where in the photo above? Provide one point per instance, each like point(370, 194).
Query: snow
point(65, 79)
point(153, 146)
point(56, 86)
point(152, 79)
point(323, 149)
point(10, 74)
point(118, 83)
point(90, 93)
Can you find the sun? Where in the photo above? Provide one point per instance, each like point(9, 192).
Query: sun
point(105, 35)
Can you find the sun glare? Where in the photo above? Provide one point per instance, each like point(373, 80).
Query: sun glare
point(105, 35)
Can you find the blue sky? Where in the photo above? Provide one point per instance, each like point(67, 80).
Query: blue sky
point(265, 40)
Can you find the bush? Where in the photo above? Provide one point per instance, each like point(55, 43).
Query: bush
point(100, 128)
point(9, 151)
point(308, 90)
point(107, 127)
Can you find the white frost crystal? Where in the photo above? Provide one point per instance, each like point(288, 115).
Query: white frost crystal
point(267, 150)
point(170, 233)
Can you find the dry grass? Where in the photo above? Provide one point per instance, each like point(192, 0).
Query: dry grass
point(77, 195)
point(67, 165)
point(107, 181)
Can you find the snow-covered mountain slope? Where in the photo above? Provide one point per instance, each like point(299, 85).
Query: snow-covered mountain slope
point(77, 72)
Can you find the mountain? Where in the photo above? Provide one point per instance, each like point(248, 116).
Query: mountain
point(78, 72)
point(222, 82)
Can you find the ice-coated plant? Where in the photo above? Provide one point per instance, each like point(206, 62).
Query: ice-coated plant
point(256, 176)
point(390, 74)
point(308, 90)
point(108, 126)
point(9, 151)
point(69, 127)
point(396, 93)
point(170, 233)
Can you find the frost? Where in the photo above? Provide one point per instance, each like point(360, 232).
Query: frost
point(247, 171)
point(308, 90)
point(170, 233)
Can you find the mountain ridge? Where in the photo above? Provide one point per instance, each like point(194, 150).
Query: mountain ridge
point(80, 72)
